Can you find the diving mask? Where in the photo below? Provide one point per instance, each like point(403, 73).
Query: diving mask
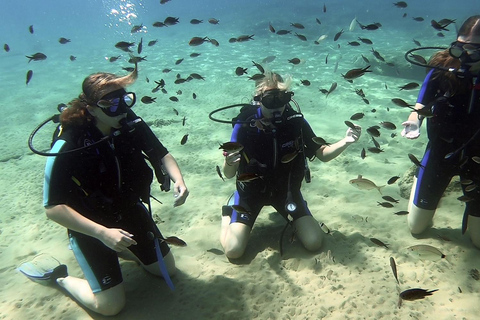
point(117, 102)
point(275, 98)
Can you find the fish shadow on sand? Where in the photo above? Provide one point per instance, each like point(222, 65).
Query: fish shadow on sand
point(446, 235)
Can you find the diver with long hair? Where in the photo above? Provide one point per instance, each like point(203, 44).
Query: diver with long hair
point(450, 99)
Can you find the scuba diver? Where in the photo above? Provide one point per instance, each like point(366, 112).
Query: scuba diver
point(449, 99)
point(96, 184)
point(268, 153)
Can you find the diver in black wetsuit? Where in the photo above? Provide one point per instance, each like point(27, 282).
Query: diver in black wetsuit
point(453, 131)
point(270, 168)
point(98, 192)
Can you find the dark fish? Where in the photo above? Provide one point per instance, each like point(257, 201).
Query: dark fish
point(113, 59)
point(158, 24)
point(283, 32)
point(269, 59)
point(240, 209)
point(140, 46)
point(365, 40)
point(135, 59)
point(353, 43)
point(297, 25)
point(152, 43)
point(333, 86)
point(29, 76)
point(184, 139)
point(244, 38)
point(388, 125)
point(417, 42)
point(318, 21)
point(259, 67)
point(357, 116)
point(401, 103)
point(214, 42)
point(393, 265)
point(379, 243)
point(271, 28)
point(339, 33)
point(356, 73)
point(390, 199)
point(289, 157)
point(375, 143)
point(350, 125)
point(437, 26)
point(219, 172)
point(365, 59)
point(324, 8)
point(196, 21)
point(194, 54)
point(301, 37)
point(148, 100)
point(363, 153)
point(37, 57)
point(196, 76)
point(375, 150)
point(73, 58)
point(320, 141)
point(213, 21)
point(326, 59)
point(125, 46)
point(194, 96)
point(6, 47)
point(415, 160)
point(136, 28)
point(409, 86)
point(178, 61)
point(393, 179)
point(170, 21)
point(305, 82)
point(175, 241)
point(231, 147)
point(183, 121)
point(400, 4)
point(128, 69)
point(174, 99)
point(30, 29)
point(175, 111)
point(324, 91)
point(256, 77)
point(401, 213)
point(373, 131)
point(232, 40)
point(418, 58)
point(415, 294)
point(64, 40)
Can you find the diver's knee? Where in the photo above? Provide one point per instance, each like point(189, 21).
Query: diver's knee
point(111, 301)
point(309, 232)
point(234, 252)
point(474, 230)
point(419, 220)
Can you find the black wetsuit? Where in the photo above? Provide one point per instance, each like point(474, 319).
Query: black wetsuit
point(452, 129)
point(106, 183)
point(263, 152)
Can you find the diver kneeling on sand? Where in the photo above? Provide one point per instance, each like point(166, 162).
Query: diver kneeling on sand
point(268, 153)
point(97, 183)
point(450, 100)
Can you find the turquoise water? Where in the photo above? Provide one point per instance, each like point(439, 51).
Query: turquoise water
point(94, 27)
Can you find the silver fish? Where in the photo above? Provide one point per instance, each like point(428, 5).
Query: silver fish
point(425, 251)
point(364, 184)
point(393, 265)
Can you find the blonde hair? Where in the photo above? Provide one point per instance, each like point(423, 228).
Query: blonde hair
point(272, 80)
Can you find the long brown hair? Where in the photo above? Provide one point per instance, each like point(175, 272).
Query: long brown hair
point(94, 87)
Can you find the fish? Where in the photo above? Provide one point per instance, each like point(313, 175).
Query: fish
point(152, 43)
point(401, 103)
point(194, 96)
point(136, 28)
point(337, 35)
point(184, 139)
point(297, 25)
point(351, 125)
point(437, 26)
point(259, 67)
point(400, 4)
point(373, 131)
point(324, 8)
point(426, 251)
point(393, 179)
point(333, 86)
point(241, 71)
point(247, 177)
point(401, 213)
point(73, 58)
point(213, 21)
point(476, 159)
point(415, 294)
point(159, 24)
point(183, 120)
point(30, 29)
point(417, 42)
point(289, 157)
point(271, 28)
point(305, 82)
point(388, 198)
point(124, 46)
point(321, 38)
point(363, 153)
point(37, 57)
point(29, 76)
point(173, 98)
point(140, 46)
point(418, 19)
point(214, 42)
point(353, 43)
point(283, 32)
point(196, 76)
point(352, 24)
point(364, 184)
point(196, 21)
point(148, 100)
point(175, 241)
point(135, 59)
point(219, 172)
point(64, 40)
point(375, 149)
point(393, 265)
point(301, 36)
point(113, 59)
point(415, 160)
point(240, 209)
point(379, 243)
point(231, 147)
point(170, 21)
point(365, 40)
point(409, 86)
point(320, 141)
point(385, 204)
point(357, 116)
point(470, 188)
point(294, 61)
point(326, 59)
point(6, 47)
point(356, 73)
point(388, 125)
point(257, 76)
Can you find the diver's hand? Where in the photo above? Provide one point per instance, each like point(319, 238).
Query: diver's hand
point(231, 158)
point(353, 135)
point(411, 130)
point(117, 239)
point(180, 193)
